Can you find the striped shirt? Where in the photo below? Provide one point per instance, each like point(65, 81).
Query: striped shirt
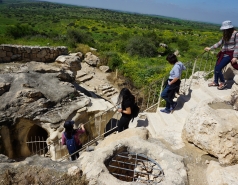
point(231, 45)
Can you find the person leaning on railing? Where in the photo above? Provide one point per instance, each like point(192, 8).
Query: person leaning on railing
point(172, 84)
point(228, 53)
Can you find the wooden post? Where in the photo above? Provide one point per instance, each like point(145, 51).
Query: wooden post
point(116, 73)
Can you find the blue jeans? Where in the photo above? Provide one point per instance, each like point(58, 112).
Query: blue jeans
point(218, 69)
point(164, 95)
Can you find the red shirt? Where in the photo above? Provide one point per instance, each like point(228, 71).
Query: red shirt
point(76, 137)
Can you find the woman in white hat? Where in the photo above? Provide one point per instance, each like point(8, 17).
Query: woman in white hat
point(228, 53)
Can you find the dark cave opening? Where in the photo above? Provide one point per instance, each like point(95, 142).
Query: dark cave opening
point(36, 140)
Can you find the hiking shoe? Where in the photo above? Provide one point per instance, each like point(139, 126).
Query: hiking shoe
point(173, 106)
point(165, 111)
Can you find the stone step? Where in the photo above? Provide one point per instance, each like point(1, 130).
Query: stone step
point(170, 121)
point(199, 94)
point(155, 124)
point(214, 92)
point(80, 74)
point(166, 128)
point(186, 102)
point(180, 113)
point(84, 78)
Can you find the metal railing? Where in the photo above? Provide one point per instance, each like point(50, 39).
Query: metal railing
point(148, 98)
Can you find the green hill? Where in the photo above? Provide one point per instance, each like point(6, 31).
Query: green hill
point(129, 42)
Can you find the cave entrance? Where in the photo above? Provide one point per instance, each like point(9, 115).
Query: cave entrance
point(36, 140)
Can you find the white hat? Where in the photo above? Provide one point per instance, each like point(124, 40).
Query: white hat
point(226, 25)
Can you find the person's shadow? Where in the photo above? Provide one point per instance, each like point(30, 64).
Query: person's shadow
point(182, 99)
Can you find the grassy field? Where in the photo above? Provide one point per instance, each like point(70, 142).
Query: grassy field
point(126, 41)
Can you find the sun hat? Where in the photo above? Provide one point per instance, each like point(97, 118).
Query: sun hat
point(226, 25)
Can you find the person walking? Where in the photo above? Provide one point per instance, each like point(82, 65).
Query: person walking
point(70, 138)
point(228, 53)
point(125, 101)
point(172, 84)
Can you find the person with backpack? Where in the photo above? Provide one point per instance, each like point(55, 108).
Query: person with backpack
point(172, 85)
point(126, 102)
point(70, 138)
point(228, 53)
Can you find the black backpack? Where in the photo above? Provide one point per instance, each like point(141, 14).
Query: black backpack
point(135, 110)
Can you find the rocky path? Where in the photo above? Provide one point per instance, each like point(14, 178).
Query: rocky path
point(96, 81)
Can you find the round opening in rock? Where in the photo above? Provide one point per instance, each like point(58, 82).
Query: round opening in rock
point(36, 140)
point(133, 167)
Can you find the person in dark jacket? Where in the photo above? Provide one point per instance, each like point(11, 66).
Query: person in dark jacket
point(173, 83)
point(125, 101)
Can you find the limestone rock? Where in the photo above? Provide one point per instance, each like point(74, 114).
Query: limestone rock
point(104, 69)
point(4, 87)
point(216, 174)
point(127, 134)
point(70, 62)
point(91, 59)
point(38, 170)
point(97, 173)
point(79, 54)
point(234, 94)
point(213, 127)
point(74, 170)
point(230, 72)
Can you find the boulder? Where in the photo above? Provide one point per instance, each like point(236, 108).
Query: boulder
point(91, 59)
point(213, 126)
point(70, 62)
point(38, 170)
point(216, 174)
point(234, 96)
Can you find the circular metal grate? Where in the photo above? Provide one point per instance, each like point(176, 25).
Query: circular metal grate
point(132, 167)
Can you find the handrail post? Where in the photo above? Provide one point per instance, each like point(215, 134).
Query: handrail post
point(161, 88)
point(194, 66)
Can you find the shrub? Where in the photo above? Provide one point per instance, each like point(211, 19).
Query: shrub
point(111, 59)
point(141, 46)
point(183, 45)
point(20, 30)
point(83, 48)
point(75, 36)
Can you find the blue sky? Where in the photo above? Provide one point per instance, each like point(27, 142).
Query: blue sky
point(212, 11)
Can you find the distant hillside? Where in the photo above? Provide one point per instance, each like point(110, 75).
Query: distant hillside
point(135, 44)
